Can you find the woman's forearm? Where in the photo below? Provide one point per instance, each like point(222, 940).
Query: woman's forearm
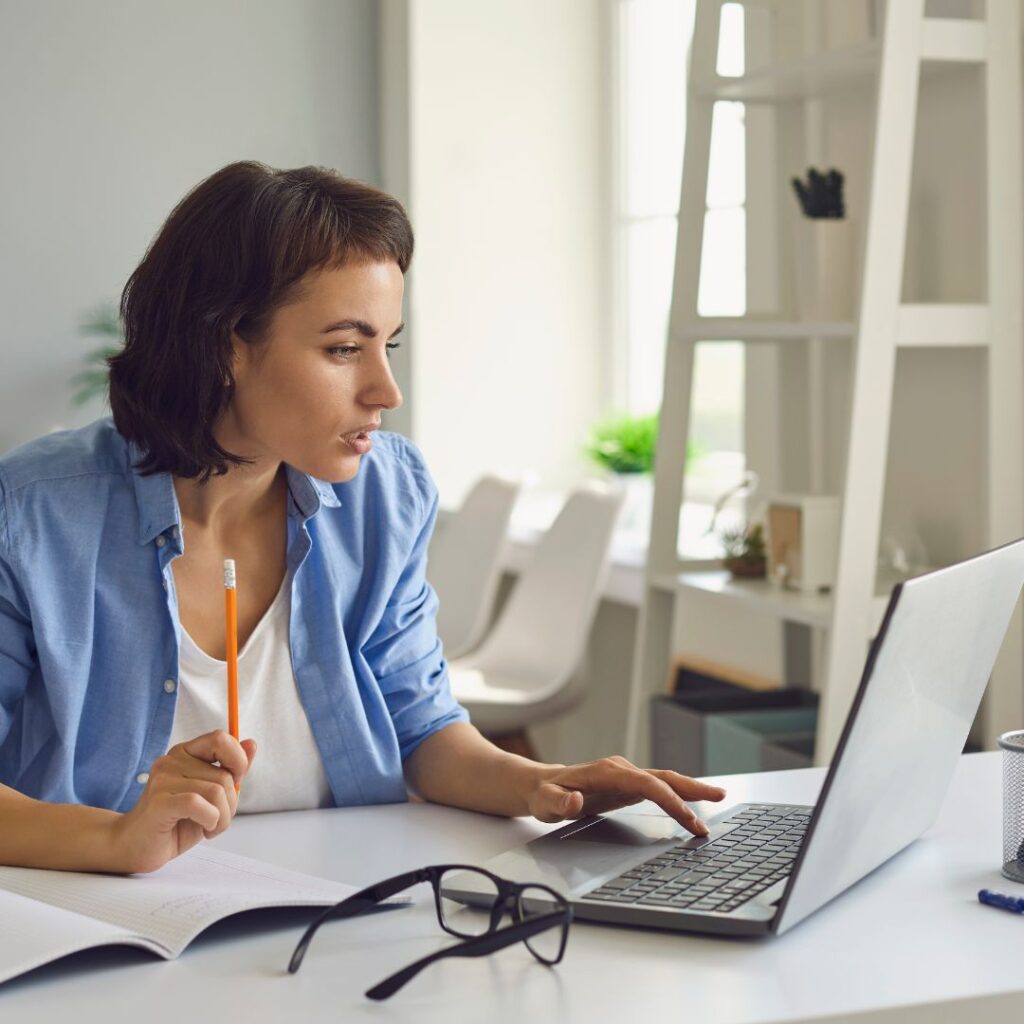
point(69, 837)
point(459, 767)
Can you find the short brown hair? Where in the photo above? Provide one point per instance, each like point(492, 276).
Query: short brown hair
point(229, 255)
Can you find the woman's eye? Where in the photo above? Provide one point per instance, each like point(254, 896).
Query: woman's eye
point(344, 351)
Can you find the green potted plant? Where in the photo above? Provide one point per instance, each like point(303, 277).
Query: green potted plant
point(624, 446)
point(91, 382)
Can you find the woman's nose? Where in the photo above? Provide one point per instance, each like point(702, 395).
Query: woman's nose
point(383, 390)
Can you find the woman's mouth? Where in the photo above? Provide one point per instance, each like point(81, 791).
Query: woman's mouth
point(359, 442)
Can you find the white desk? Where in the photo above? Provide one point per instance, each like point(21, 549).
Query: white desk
point(912, 933)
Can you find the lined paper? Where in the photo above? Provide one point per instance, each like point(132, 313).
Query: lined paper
point(33, 934)
point(162, 911)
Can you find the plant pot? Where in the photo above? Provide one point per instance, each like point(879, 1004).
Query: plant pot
point(825, 276)
point(746, 568)
point(636, 508)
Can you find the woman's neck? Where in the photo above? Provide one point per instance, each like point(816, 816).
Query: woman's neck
point(228, 503)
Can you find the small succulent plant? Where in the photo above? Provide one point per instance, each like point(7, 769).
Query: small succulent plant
point(744, 550)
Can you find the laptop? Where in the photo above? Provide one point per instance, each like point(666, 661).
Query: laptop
point(765, 867)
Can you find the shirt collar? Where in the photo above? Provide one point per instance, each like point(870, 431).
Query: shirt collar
point(154, 495)
point(158, 504)
point(308, 493)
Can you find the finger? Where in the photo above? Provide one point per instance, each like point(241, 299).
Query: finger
point(214, 795)
point(602, 777)
point(249, 746)
point(557, 802)
point(547, 803)
point(669, 801)
point(600, 803)
point(553, 802)
point(603, 804)
point(220, 746)
point(175, 807)
point(687, 788)
point(192, 768)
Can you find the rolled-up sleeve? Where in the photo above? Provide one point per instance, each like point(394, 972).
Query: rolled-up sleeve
point(405, 651)
point(17, 646)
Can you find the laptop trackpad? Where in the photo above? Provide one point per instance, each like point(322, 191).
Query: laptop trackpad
point(642, 830)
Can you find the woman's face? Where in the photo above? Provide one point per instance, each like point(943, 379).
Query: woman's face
point(321, 374)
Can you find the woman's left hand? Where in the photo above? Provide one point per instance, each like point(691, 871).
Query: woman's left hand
point(598, 786)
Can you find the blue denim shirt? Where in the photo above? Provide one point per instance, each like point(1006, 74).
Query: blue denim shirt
point(89, 626)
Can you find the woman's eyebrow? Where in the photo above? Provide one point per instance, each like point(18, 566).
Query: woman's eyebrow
point(365, 329)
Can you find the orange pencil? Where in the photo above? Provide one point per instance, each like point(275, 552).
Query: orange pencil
point(231, 633)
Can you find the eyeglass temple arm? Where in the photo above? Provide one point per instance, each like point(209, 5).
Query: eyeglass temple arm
point(480, 946)
point(358, 903)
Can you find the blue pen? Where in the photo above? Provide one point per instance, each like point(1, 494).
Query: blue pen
point(999, 899)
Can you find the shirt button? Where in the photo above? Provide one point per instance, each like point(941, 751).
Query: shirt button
point(174, 532)
point(161, 541)
point(170, 686)
point(142, 778)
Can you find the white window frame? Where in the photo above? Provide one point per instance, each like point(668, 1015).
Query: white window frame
point(618, 388)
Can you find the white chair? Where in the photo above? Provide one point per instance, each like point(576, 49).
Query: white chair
point(528, 667)
point(464, 563)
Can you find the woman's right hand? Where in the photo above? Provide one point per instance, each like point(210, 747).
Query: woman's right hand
point(187, 797)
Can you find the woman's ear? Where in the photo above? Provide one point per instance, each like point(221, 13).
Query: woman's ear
point(239, 357)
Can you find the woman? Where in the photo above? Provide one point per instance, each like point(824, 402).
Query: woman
point(245, 404)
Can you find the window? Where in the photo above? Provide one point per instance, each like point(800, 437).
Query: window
point(653, 42)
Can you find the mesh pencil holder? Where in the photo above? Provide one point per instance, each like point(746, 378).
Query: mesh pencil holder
point(1013, 804)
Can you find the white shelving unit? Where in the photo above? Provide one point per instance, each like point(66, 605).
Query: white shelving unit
point(908, 43)
point(789, 605)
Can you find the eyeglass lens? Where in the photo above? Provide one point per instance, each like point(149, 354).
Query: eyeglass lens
point(548, 944)
point(456, 917)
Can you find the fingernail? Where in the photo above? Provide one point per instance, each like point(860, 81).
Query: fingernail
point(566, 802)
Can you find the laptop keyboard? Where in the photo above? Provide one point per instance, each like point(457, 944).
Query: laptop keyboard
point(754, 851)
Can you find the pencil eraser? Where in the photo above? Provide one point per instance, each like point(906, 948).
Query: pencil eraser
point(229, 573)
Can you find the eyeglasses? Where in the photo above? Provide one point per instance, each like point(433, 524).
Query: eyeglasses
point(543, 928)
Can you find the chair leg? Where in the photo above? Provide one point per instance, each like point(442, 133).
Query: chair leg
point(516, 743)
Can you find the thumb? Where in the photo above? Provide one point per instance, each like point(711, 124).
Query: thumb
point(553, 802)
point(249, 746)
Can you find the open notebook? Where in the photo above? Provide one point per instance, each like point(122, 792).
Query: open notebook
point(50, 914)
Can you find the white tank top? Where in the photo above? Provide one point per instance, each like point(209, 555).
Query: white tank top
point(287, 773)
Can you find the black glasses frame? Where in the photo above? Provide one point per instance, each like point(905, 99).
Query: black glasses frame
point(508, 900)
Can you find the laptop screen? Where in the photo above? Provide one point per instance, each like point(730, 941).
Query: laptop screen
point(925, 675)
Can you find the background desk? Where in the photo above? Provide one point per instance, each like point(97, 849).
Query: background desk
point(909, 935)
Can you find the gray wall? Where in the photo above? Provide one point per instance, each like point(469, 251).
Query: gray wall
point(112, 110)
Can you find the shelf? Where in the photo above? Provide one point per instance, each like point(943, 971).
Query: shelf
point(956, 40)
point(812, 76)
point(762, 596)
point(943, 40)
point(744, 328)
point(879, 83)
point(920, 325)
point(938, 325)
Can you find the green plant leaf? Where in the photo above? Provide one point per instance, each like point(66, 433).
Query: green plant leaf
point(626, 444)
point(104, 319)
point(92, 381)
